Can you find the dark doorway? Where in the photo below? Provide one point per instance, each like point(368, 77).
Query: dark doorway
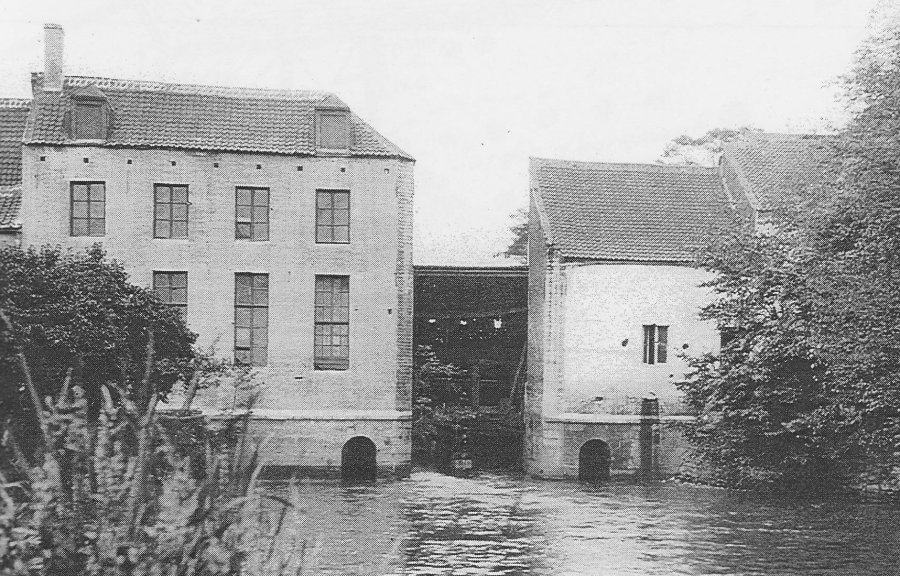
point(593, 461)
point(358, 460)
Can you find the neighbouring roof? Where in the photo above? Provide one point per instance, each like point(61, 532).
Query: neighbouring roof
point(774, 168)
point(184, 116)
point(627, 212)
point(13, 113)
point(10, 202)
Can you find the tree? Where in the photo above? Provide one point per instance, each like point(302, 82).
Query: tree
point(808, 390)
point(518, 246)
point(702, 151)
point(74, 316)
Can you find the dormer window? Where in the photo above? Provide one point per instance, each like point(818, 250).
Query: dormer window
point(333, 129)
point(87, 121)
point(89, 117)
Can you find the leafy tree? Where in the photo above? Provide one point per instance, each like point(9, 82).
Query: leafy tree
point(807, 392)
point(75, 315)
point(702, 151)
point(518, 246)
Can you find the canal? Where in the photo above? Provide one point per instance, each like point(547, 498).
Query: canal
point(497, 524)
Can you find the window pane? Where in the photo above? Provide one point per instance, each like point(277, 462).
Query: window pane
point(163, 229)
point(260, 336)
point(97, 191)
point(259, 356)
point(323, 217)
point(261, 232)
point(261, 297)
point(79, 209)
point(87, 121)
point(341, 200)
point(342, 234)
point(179, 295)
point(242, 356)
point(179, 279)
point(79, 192)
point(96, 209)
point(179, 211)
point(163, 194)
point(242, 337)
point(242, 231)
point(242, 213)
point(243, 317)
point(97, 227)
point(260, 215)
point(244, 196)
point(179, 194)
point(179, 230)
point(261, 197)
point(323, 234)
point(163, 211)
point(342, 217)
point(323, 199)
point(333, 131)
point(160, 279)
point(79, 227)
point(260, 281)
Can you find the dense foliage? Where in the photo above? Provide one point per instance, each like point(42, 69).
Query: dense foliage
point(518, 246)
point(76, 313)
point(806, 391)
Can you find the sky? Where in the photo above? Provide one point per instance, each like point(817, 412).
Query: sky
point(472, 89)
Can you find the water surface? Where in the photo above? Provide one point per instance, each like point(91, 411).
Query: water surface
point(507, 525)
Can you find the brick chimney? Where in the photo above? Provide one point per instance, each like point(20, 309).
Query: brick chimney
point(53, 57)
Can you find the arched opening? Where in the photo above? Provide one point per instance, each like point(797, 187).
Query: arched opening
point(358, 460)
point(593, 461)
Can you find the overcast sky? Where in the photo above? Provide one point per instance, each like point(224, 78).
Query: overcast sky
point(473, 88)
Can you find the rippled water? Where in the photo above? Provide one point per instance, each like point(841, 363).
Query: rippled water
point(505, 525)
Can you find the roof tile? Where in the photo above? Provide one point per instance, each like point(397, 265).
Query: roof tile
point(13, 113)
point(628, 212)
point(186, 116)
point(10, 202)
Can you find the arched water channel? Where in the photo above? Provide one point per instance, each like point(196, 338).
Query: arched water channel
point(504, 525)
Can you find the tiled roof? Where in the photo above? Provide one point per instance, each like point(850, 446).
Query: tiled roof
point(627, 212)
point(13, 113)
point(185, 116)
point(10, 202)
point(775, 167)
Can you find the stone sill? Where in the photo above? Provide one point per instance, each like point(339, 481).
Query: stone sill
point(272, 414)
point(575, 418)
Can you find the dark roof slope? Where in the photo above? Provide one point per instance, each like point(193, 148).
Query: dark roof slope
point(10, 202)
point(185, 116)
point(13, 113)
point(627, 212)
point(774, 168)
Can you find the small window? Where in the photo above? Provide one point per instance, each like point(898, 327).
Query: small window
point(251, 319)
point(334, 130)
point(656, 341)
point(332, 216)
point(88, 215)
point(88, 121)
point(251, 214)
point(170, 211)
point(171, 288)
point(332, 323)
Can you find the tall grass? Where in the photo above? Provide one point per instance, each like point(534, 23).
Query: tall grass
point(112, 495)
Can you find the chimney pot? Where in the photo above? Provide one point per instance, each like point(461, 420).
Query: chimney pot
point(53, 57)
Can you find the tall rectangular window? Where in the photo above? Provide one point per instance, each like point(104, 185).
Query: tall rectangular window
point(251, 213)
point(332, 216)
point(88, 216)
point(251, 318)
point(334, 130)
point(171, 288)
point(170, 211)
point(332, 323)
point(656, 342)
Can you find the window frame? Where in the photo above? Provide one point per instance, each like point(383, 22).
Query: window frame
point(655, 344)
point(252, 306)
point(331, 210)
point(88, 202)
point(337, 315)
point(171, 204)
point(253, 206)
point(182, 306)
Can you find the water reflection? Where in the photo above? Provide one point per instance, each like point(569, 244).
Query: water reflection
point(503, 525)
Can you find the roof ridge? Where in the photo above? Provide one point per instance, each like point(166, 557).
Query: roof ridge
point(183, 88)
point(635, 166)
point(15, 102)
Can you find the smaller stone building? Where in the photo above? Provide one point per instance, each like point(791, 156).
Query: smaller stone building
point(613, 301)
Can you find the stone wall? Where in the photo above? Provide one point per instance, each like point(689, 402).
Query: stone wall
point(378, 261)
